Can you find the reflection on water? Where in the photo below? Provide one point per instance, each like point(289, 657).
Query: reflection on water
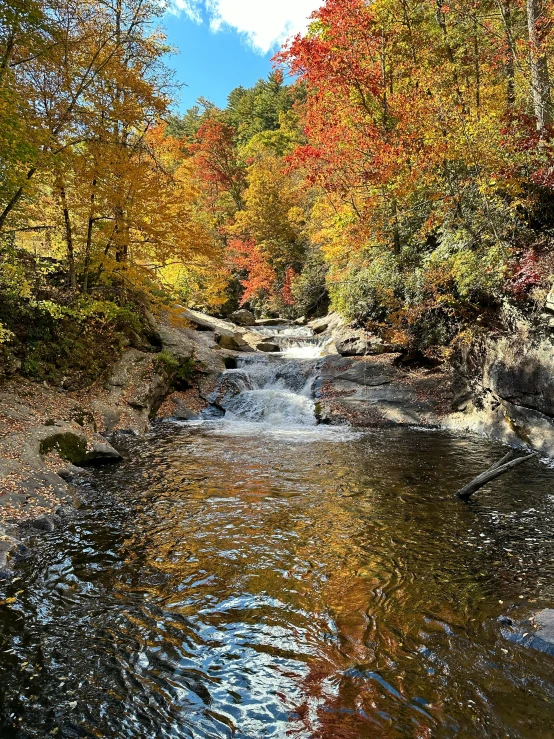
point(247, 586)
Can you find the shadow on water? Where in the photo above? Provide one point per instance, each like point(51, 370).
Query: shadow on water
point(249, 585)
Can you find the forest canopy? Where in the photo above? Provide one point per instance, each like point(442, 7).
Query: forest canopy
point(403, 178)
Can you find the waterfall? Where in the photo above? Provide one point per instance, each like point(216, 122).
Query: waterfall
point(296, 342)
point(272, 390)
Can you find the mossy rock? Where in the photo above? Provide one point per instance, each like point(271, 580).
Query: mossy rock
point(73, 448)
point(69, 446)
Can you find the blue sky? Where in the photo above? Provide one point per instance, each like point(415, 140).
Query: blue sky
point(222, 44)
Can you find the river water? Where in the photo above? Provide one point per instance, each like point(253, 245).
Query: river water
point(257, 575)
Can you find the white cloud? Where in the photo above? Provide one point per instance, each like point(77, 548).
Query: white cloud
point(265, 23)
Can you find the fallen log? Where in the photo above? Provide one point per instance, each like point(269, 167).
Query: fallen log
point(498, 468)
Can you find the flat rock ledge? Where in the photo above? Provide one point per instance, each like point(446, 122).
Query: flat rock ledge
point(373, 391)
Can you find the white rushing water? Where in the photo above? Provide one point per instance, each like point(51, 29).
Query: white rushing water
point(273, 393)
point(296, 342)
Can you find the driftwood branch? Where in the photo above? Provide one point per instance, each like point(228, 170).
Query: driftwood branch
point(499, 468)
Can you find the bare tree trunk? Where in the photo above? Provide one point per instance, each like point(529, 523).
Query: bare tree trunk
point(510, 61)
point(88, 244)
point(68, 232)
point(408, 24)
point(499, 468)
point(441, 20)
point(477, 64)
point(540, 79)
point(15, 200)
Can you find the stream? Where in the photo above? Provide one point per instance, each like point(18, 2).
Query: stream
point(254, 574)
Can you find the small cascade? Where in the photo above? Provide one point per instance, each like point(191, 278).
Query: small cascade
point(296, 342)
point(268, 390)
point(274, 390)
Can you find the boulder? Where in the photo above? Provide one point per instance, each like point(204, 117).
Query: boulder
point(506, 390)
point(374, 392)
point(135, 389)
point(73, 446)
point(176, 341)
point(182, 413)
point(268, 347)
point(243, 317)
point(543, 636)
point(328, 324)
point(72, 473)
point(368, 374)
point(232, 342)
point(351, 343)
point(44, 523)
point(536, 632)
point(208, 323)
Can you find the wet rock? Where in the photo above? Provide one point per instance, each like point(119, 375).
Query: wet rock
point(182, 413)
point(66, 512)
point(543, 636)
point(243, 317)
point(268, 347)
point(535, 633)
point(6, 547)
point(22, 553)
point(74, 446)
point(101, 453)
point(44, 523)
point(72, 473)
point(232, 383)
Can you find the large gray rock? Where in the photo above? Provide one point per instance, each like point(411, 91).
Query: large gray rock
point(543, 636)
point(232, 342)
point(374, 392)
point(328, 324)
point(352, 343)
point(505, 389)
point(72, 445)
point(177, 341)
point(243, 317)
point(208, 323)
point(135, 389)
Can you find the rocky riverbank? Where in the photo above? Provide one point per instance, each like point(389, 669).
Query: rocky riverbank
point(500, 387)
point(49, 436)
